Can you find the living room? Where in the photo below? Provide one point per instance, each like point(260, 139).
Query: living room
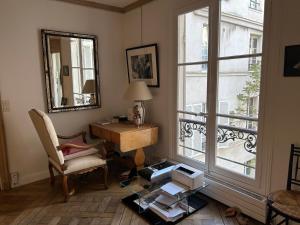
point(123, 24)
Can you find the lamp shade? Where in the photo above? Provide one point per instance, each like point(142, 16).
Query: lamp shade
point(138, 91)
point(89, 87)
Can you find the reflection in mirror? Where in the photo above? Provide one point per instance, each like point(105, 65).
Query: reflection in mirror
point(71, 71)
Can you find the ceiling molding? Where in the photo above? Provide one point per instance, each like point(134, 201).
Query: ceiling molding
point(94, 5)
point(97, 5)
point(135, 5)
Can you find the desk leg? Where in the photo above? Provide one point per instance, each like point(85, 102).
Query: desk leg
point(139, 158)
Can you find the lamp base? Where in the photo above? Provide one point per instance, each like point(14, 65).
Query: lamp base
point(139, 113)
point(92, 100)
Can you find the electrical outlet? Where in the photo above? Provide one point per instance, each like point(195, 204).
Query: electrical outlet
point(5, 105)
point(14, 178)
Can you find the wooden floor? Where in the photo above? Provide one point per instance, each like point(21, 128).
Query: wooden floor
point(41, 204)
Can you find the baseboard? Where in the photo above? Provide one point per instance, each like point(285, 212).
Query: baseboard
point(27, 179)
point(254, 207)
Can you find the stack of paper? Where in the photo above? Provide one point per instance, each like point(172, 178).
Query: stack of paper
point(166, 204)
point(172, 214)
point(173, 188)
point(166, 200)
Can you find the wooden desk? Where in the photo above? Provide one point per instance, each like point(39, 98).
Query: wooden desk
point(128, 136)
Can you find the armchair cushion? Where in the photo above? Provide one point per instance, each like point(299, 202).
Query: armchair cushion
point(72, 153)
point(82, 163)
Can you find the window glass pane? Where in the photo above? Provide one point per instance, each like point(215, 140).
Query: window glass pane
point(193, 36)
point(238, 23)
point(192, 92)
point(238, 84)
point(238, 95)
point(88, 74)
point(77, 86)
point(87, 53)
point(192, 137)
point(75, 52)
point(192, 87)
point(76, 80)
point(56, 84)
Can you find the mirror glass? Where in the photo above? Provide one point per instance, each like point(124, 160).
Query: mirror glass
point(71, 68)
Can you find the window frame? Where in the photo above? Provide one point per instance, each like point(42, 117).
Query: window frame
point(173, 154)
point(260, 184)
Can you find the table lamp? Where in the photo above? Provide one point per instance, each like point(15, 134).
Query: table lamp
point(138, 92)
point(89, 88)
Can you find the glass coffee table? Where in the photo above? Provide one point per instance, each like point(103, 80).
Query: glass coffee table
point(156, 205)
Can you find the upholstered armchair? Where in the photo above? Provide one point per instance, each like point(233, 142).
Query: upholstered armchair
point(70, 157)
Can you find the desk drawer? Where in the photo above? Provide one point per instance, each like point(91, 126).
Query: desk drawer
point(138, 139)
point(105, 134)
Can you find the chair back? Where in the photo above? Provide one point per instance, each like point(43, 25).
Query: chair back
point(293, 177)
point(47, 135)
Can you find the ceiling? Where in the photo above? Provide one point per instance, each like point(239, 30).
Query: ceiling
point(117, 3)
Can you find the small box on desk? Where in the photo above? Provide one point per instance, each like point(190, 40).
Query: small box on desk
point(188, 176)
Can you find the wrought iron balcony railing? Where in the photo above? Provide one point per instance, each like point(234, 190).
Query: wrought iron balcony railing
point(225, 133)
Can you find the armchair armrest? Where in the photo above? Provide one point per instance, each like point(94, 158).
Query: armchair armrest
point(82, 133)
point(83, 147)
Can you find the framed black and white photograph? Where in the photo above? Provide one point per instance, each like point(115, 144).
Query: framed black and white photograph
point(142, 64)
point(292, 61)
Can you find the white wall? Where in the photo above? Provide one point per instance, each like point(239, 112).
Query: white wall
point(22, 77)
point(281, 103)
point(155, 30)
point(282, 120)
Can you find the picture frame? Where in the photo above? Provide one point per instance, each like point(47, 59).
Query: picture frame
point(142, 64)
point(292, 61)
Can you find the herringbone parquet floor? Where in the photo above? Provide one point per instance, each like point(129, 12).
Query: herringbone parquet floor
point(41, 204)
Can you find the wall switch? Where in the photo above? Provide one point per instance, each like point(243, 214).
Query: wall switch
point(5, 105)
point(14, 178)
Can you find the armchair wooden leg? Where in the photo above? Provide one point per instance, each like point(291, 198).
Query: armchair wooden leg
point(65, 184)
point(104, 170)
point(52, 177)
point(105, 176)
point(65, 187)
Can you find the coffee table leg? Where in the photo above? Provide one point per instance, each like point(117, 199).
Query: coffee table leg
point(139, 158)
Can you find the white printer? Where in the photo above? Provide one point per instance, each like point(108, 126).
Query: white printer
point(158, 171)
point(188, 176)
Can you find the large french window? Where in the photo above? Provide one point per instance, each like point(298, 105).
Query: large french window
point(82, 67)
point(218, 87)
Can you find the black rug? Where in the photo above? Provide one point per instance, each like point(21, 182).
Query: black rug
point(194, 201)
